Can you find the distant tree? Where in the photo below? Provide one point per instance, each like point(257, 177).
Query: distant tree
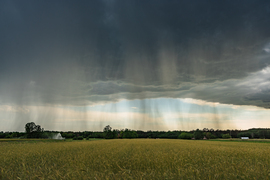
point(198, 134)
point(244, 134)
point(129, 134)
point(68, 135)
point(30, 127)
point(185, 135)
point(97, 135)
point(80, 138)
point(208, 135)
point(226, 136)
point(13, 135)
point(218, 133)
point(172, 134)
point(86, 134)
point(2, 134)
point(108, 133)
point(205, 129)
point(32, 130)
point(38, 128)
point(263, 133)
point(267, 134)
point(107, 128)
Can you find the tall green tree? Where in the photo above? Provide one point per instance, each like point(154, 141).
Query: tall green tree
point(30, 127)
point(32, 130)
point(108, 133)
point(198, 134)
point(107, 128)
point(129, 134)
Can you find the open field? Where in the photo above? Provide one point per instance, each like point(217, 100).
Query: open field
point(26, 140)
point(134, 159)
point(39, 140)
point(243, 140)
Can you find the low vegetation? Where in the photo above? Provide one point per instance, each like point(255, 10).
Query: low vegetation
point(134, 159)
point(35, 131)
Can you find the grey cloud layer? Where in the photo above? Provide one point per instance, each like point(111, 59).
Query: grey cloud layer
point(67, 52)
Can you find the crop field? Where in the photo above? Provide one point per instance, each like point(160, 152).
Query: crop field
point(134, 159)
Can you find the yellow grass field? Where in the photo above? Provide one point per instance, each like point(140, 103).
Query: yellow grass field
point(134, 159)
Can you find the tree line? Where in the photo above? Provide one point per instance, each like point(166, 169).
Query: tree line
point(35, 131)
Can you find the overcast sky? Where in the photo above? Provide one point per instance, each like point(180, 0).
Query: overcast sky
point(150, 65)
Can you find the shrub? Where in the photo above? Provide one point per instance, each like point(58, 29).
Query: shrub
point(226, 136)
point(213, 136)
point(68, 135)
point(8, 136)
point(80, 138)
point(185, 135)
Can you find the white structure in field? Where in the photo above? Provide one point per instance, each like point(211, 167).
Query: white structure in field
point(57, 136)
point(244, 137)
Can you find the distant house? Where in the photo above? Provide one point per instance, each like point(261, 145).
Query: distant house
point(204, 138)
point(244, 137)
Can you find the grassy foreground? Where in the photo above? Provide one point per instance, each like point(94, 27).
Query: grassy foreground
point(134, 159)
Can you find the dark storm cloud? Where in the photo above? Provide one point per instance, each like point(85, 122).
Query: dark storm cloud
point(83, 52)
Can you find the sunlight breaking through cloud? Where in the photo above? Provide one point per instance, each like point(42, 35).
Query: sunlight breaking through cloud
point(151, 64)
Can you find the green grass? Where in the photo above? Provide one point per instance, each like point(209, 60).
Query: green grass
point(42, 140)
point(243, 140)
point(135, 159)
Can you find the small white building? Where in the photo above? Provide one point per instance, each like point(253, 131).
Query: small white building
point(244, 137)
